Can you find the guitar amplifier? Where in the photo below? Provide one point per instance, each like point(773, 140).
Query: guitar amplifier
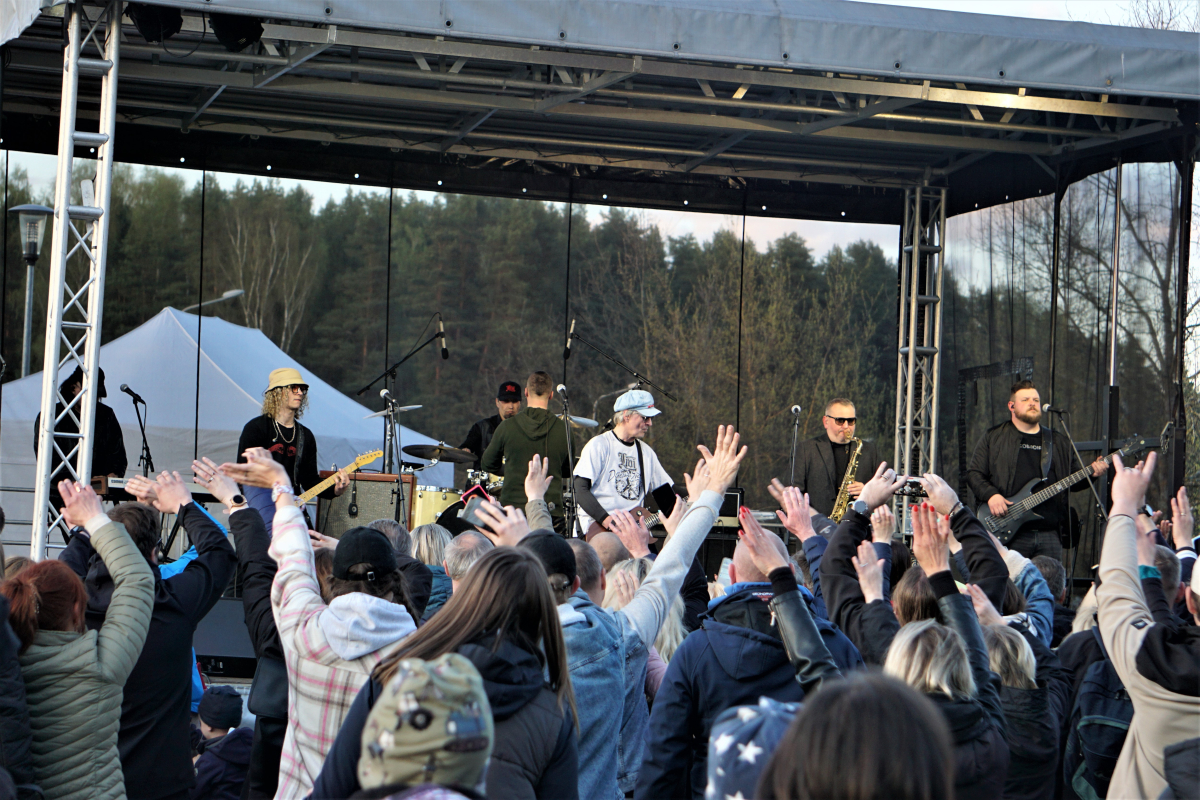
point(375, 496)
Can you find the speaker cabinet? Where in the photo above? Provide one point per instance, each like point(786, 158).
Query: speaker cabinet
point(374, 494)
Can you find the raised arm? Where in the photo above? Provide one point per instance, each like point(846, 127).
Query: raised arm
point(987, 568)
point(537, 482)
point(649, 606)
point(120, 639)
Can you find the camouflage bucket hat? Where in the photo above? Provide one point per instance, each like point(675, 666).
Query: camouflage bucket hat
point(431, 724)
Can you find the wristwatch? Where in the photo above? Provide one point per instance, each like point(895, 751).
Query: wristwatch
point(860, 506)
point(237, 500)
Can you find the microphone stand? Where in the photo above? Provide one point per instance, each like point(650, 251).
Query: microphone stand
point(795, 436)
point(640, 377)
point(569, 503)
point(145, 461)
point(1102, 517)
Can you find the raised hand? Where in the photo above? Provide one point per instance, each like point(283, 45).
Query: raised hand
point(941, 496)
point(1129, 485)
point(144, 489)
point(622, 586)
point(883, 525)
point(172, 493)
point(796, 515)
point(696, 485)
point(631, 531)
point(506, 527)
point(1182, 524)
point(208, 474)
point(987, 613)
point(930, 545)
point(881, 487)
point(80, 502)
point(321, 540)
point(763, 552)
point(671, 521)
point(870, 572)
point(723, 463)
point(260, 469)
point(538, 479)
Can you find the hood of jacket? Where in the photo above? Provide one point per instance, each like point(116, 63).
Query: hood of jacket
point(535, 422)
point(1171, 658)
point(512, 676)
point(742, 633)
point(966, 718)
point(357, 624)
point(233, 747)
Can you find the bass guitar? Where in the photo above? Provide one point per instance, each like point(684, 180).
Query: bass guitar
point(1021, 512)
point(643, 514)
point(361, 461)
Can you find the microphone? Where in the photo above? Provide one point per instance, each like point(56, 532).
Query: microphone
point(796, 409)
point(137, 398)
point(386, 395)
point(1048, 409)
point(567, 349)
point(442, 335)
point(562, 390)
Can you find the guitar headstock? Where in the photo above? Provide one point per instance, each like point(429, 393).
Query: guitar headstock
point(1133, 447)
point(367, 458)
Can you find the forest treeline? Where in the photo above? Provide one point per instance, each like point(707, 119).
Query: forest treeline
point(733, 332)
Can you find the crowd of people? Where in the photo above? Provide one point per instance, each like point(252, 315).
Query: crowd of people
point(511, 661)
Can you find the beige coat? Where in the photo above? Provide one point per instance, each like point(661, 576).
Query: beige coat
point(75, 681)
point(1160, 718)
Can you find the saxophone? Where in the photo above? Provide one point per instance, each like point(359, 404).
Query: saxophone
point(843, 496)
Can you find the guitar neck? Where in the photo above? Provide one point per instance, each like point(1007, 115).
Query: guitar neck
point(1039, 497)
point(316, 490)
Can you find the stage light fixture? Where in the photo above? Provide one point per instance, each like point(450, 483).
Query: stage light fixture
point(236, 32)
point(155, 23)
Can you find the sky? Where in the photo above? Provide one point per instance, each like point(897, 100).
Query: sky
point(821, 236)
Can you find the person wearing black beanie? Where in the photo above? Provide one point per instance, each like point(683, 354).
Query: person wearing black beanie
point(224, 754)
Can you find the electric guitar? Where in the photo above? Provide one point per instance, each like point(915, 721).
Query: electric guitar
point(643, 514)
point(1023, 502)
point(361, 461)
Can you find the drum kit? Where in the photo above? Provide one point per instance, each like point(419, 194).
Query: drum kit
point(432, 503)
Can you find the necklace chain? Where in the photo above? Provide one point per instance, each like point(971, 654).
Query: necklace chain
point(279, 432)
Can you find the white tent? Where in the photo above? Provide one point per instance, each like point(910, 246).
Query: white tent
point(158, 360)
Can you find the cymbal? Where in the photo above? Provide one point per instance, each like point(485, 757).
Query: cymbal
point(582, 422)
point(397, 409)
point(440, 452)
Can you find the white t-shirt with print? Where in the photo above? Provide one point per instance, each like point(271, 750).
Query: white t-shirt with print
point(612, 467)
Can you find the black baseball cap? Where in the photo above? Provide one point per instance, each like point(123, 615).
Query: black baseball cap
point(364, 546)
point(553, 551)
point(509, 391)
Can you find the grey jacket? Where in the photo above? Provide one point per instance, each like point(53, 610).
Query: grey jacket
point(815, 471)
point(75, 681)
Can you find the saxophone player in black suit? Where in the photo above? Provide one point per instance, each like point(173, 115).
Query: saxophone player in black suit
point(821, 461)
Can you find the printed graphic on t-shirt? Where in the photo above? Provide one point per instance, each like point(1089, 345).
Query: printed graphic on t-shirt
point(1027, 446)
point(278, 449)
point(627, 478)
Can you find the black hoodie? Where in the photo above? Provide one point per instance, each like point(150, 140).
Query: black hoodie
point(535, 753)
point(154, 739)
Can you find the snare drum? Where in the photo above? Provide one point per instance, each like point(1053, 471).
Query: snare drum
point(430, 502)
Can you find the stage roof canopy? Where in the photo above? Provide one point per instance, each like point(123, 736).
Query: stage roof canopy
point(807, 108)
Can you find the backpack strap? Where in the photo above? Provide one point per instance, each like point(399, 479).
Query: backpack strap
point(1100, 641)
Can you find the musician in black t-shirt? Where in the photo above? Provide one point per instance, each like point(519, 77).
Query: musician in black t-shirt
point(279, 431)
point(508, 404)
point(1009, 456)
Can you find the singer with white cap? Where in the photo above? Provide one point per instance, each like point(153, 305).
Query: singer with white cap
point(617, 470)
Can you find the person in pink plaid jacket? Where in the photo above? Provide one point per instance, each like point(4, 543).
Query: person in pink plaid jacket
point(330, 648)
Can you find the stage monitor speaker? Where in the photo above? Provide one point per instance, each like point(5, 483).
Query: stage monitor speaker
point(374, 497)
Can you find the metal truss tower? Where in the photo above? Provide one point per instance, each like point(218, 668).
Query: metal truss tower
point(918, 359)
point(76, 300)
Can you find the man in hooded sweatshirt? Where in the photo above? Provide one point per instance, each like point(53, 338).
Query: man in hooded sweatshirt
point(736, 657)
point(535, 431)
point(330, 649)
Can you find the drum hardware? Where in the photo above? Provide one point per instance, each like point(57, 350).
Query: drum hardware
point(440, 452)
point(430, 502)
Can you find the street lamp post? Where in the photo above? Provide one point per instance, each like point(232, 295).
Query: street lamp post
point(31, 218)
point(229, 295)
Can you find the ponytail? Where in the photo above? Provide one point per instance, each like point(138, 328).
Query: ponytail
point(24, 603)
point(45, 596)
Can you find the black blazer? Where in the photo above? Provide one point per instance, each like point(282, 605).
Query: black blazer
point(815, 470)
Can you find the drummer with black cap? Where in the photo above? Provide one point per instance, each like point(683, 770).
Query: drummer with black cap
point(508, 404)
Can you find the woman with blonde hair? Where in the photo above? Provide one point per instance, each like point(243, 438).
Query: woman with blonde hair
point(670, 635)
point(949, 664)
point(429, 544)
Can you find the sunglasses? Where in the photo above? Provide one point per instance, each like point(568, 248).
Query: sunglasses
point(842, 420)
point(297, 387)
